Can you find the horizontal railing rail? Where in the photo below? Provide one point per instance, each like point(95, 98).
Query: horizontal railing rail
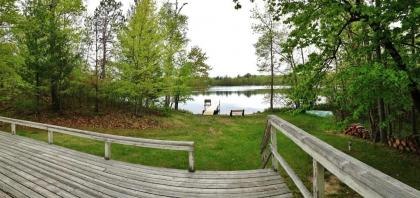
point(362, 178)
point(108, 139)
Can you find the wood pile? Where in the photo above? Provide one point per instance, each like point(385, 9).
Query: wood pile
point(357, 130)
point(408, 144)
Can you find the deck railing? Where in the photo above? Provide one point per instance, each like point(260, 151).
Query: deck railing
point(107, 138)
point(359, 176)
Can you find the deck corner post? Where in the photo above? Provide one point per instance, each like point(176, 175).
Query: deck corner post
point(318, 180)
point(50, 136)
point(191, 167)
point(13, 128)
point(107, 150)
point(274, 147)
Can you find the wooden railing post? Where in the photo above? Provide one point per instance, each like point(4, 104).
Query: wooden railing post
point(13, 126)
point(274, 146)
point(191, 167)
point(50, 137)
point(318, 180)
point(107, 150)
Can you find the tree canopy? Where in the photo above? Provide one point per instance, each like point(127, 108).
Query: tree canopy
point(55, 55)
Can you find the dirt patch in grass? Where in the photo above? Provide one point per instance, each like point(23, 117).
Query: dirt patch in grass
point(332, 185)
point(213, 131)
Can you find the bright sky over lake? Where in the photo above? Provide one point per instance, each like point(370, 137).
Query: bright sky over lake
point(224, 33)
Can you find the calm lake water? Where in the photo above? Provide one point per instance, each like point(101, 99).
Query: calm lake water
point(251, 98)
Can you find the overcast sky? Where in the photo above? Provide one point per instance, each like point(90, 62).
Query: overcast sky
point(224, 33)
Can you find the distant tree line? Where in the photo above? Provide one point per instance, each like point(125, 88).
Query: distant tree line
point(55, 56)
point(247, 79)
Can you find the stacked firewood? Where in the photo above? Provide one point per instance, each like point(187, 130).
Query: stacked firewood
point(357, 130)
point(405, 144)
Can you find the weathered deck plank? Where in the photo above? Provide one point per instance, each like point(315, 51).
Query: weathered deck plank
point(4, 195)
point(30, 168)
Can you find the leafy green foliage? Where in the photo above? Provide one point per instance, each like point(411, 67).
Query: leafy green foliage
point(47, 55)
point(11, 83)
point(364, 58)
point(49, 43)
point(141, 46)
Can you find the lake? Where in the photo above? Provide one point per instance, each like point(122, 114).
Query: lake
point(251, 98)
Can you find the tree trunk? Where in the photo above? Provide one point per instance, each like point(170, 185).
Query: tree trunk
point(104, 48)
point(381, 116)
point(136, 106)
point(167, 101)
point(80, 98)
point(96, 97)
point(413, 110)
point(272, 73)
point(413, 121)
point(294, 75)
point(301, 53)
point(176, 101)
point(381, 106)
point(373, 126)
point(38, 92)
point(389, 127)
point(55, 98)
point(96, 69)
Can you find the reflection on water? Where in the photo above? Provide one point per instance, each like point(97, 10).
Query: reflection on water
point(250, 98)
point(242, 88)
point(226, 93)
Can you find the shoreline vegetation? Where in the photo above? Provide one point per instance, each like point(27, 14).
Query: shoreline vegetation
point(247, 79)
point(226, 143)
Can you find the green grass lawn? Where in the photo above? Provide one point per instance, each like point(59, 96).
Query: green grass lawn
point(225, 143)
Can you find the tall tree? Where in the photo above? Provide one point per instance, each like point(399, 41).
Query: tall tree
point(102, 29)
point(267, 46)
point(51, 41)
point(107, 20)
point(141, 47)
point(173, 25)
point(188, 69)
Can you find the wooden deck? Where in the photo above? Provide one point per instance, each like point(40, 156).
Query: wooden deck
point(29, 168)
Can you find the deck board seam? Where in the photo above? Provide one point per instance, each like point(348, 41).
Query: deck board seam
point(64, 149)
point(215, 192)
point(81, 177)
point(100, 180)
point(41, 169)
point(86, 168)
point(93, 160)
point(106, 169)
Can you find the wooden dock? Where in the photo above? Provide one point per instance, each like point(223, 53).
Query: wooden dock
point(29, 168)
point(211, 109)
